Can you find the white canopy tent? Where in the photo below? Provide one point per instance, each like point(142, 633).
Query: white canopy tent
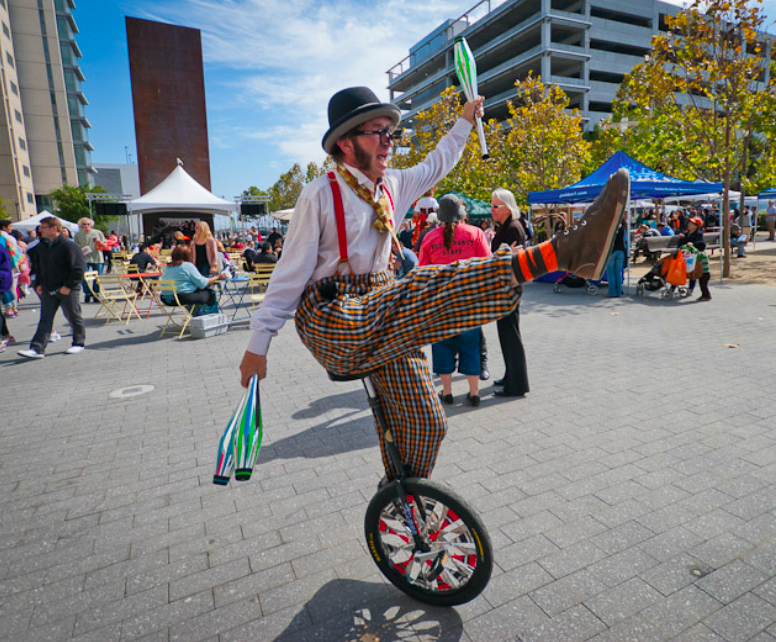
point(283, 215)
point(29, 224)
point(180, 192)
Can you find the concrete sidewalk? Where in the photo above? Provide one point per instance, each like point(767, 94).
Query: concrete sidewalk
point(630, 496)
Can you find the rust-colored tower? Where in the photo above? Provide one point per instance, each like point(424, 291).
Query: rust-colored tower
point(168, 96)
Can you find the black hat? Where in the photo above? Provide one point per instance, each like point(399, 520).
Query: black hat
point(451, 209)
point(351, 107)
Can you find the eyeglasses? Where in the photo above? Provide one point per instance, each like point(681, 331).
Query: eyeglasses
point(495, 207)
point(385, 134)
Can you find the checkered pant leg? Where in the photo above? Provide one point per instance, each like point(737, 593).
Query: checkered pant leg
point(414, 414)
point(355, 324)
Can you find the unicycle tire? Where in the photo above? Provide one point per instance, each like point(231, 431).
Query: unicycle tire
point(456, 578)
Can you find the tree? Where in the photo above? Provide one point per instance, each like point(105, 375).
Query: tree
point(71, 204)
point(543, 147)
point(698, 93)
point(472, 175)
point(286, 190)
point(4, 213)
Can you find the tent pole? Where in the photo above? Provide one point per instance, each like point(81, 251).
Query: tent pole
point(628, 245)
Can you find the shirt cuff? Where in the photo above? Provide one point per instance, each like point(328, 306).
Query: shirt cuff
point(259, 343)
point(462, 126)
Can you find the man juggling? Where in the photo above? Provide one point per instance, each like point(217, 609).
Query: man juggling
point(350, 312)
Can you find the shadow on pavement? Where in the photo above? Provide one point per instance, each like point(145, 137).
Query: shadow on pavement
point(373, 613)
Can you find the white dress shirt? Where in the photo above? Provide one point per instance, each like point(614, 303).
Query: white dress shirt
point(311, 249)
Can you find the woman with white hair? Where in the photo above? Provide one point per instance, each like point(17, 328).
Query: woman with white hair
point(504, 210)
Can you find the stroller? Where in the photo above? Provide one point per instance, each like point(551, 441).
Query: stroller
point(573, 281)
point(655, 280)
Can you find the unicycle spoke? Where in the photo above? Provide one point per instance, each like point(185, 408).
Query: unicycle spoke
point(446, 537)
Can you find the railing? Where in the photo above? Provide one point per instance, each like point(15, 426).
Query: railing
point(479, 11)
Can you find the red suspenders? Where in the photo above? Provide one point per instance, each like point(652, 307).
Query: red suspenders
point(339, 217)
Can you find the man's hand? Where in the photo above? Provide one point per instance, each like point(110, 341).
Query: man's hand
point(39, 290)
point(252, 364)
point(64, 290)
point(473, 109)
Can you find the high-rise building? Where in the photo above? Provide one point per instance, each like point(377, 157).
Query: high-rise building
point(44, 103)
point(584, 46)
point(16, 187)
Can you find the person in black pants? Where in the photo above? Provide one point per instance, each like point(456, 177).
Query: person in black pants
point(59, 267)
point(504, 210)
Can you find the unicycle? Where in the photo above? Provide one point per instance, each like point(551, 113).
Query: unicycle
point(424, 538)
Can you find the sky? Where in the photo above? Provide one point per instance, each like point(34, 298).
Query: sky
point(270, 68)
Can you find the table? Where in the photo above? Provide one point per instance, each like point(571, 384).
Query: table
point(235, 289)
point(145, 289)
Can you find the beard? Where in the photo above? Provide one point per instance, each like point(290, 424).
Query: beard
point(363, 159)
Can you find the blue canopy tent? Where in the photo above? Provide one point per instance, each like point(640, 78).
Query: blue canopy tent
point(646, 183)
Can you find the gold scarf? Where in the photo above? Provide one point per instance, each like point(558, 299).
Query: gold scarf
point(383, 214)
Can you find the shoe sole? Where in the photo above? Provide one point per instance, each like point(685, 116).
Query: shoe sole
point(622, 200)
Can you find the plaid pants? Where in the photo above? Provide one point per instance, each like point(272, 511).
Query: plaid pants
point(371, 323)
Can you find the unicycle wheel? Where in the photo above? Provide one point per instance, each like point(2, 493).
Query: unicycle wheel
point(455, 562)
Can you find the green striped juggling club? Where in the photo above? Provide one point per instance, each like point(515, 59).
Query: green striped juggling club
point(247, 433)
point(466, 68)
point(240, 443)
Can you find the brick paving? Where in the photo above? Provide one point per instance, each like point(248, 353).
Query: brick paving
point(630, 496)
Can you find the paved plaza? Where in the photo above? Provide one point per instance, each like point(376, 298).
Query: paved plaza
point(630, 496)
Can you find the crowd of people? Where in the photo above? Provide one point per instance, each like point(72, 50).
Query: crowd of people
point(52, 263)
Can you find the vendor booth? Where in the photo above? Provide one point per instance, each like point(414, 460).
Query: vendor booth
point(646, 183)
point(179, 201)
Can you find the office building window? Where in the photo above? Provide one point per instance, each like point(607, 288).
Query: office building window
point(23, 144)
point(17, 114)
point(9, 58)
point(14, 88)
point(30, 198)
point(26, 171)
point(6, 30)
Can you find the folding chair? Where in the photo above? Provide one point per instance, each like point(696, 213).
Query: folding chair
point(259, 282)
point(160, 286)
point(116, 300)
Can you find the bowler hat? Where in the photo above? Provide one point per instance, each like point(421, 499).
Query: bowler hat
point(451, 209)
point(351, 107)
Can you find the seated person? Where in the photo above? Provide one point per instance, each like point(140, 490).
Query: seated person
point(738, 240)
point(190, 286)
point(250, 255)
point(266, 255)
point(640, 244)
point(143, 259)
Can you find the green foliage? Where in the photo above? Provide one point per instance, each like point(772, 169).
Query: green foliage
point(696, 100)
point(4, 213)
point(540, 146)
point(286, 190)
point(71, 204)
point(544, 147)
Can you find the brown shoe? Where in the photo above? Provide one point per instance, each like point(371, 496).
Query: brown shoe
point(585, 248)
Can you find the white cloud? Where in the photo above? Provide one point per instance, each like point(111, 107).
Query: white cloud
point(284, 59)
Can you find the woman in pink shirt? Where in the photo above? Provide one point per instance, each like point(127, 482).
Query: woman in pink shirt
point(455, 241)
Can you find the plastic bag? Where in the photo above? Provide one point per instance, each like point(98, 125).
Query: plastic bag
point(689, 260)
point(677, 273)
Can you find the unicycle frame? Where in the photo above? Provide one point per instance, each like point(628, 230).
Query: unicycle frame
point(395, 459)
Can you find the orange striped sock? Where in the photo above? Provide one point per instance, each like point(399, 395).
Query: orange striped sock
point(534, 262)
